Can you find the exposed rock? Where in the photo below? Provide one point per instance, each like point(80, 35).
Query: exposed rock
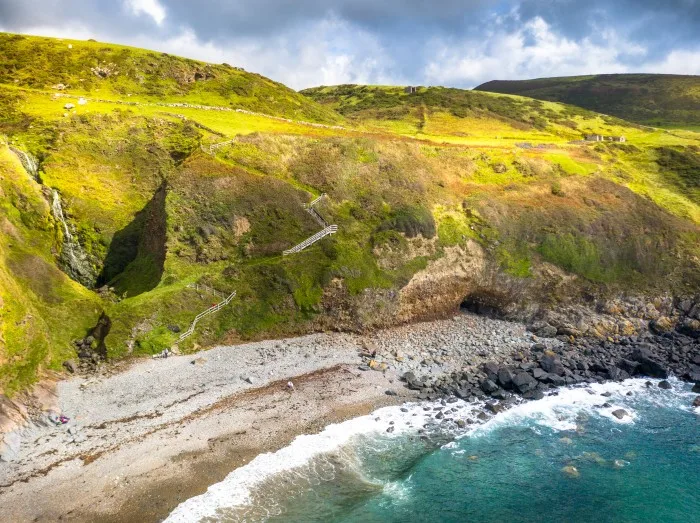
point(648, 366)
point(488, 386)
point(664, 385)
point(70, 366)
point(661, 325)
point(552, 364)
point(619, 413)
point(523, 382)
point(571, 471)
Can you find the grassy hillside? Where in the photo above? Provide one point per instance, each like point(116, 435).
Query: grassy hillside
point(115, 72)
point(411, 181)
point(652, 99)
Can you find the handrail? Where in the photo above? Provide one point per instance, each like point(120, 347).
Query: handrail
point(331, 229)
point(210, 310)
point(314, 202)
point(316, 216)
point(210, 290)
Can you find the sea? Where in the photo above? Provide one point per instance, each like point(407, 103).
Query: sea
point(565, 458)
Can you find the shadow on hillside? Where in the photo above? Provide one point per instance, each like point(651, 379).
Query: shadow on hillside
point(136, 256)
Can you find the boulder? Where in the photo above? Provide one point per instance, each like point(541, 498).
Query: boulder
point(552, 364)
point(661, 324)
point(488, 386)
point(505, 377)
point(494, 407)
point(571, 471)
point(533, 395)
point(555, 380)
point(539, 374)
point(664, 385)
point(620, 413)
point(696, 401)
point(491, 370)
point(647, 365)
point(69, 106)
point(70, 366)
point(523, 382)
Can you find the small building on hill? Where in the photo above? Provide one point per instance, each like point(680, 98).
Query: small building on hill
point(411, 89)
point(601, 138)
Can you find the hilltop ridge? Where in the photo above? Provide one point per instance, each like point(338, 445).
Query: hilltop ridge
point(116, 72)
point(661, 100)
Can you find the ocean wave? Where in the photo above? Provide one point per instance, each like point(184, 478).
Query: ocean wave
point(235, 489)
point(313, 459)
point(563, 411)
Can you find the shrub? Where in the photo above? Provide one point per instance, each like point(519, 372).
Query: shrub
point(411, 221)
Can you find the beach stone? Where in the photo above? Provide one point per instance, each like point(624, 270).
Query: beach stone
point(461, 423)
point(248, 379)
point(70, 366)
point(494, 407)
point(620, 413)
point(664, 385)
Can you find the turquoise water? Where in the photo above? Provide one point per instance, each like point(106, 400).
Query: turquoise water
point(563, 458)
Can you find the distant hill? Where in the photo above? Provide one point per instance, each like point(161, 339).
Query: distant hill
point(653, 99)
point(112, 71)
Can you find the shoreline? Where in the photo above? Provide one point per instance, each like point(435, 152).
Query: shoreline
point(143, 440)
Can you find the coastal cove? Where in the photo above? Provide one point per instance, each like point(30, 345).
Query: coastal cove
point(143, 440)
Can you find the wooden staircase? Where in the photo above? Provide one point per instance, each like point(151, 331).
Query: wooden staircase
point(331, 229)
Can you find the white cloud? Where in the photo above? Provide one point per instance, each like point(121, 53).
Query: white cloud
point(534, 50)
point(325, 53)
point(677, 62)
point(152, 8)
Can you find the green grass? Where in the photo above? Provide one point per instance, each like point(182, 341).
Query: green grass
point(407, 179)
point(659, 100)
point(139, 75)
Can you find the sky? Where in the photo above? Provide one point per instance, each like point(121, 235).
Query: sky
point(459, 43)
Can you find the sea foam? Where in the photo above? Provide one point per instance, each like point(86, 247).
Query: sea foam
point(560, 412)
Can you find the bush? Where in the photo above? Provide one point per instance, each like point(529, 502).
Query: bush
point(556, 188)
point(411, 221)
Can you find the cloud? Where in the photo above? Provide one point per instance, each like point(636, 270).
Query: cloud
point(453, 42)
point(151, 8)
point(533, 50)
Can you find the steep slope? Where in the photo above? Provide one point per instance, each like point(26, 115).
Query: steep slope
point(651, 99)
point(128, 74)
point(439, 196)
